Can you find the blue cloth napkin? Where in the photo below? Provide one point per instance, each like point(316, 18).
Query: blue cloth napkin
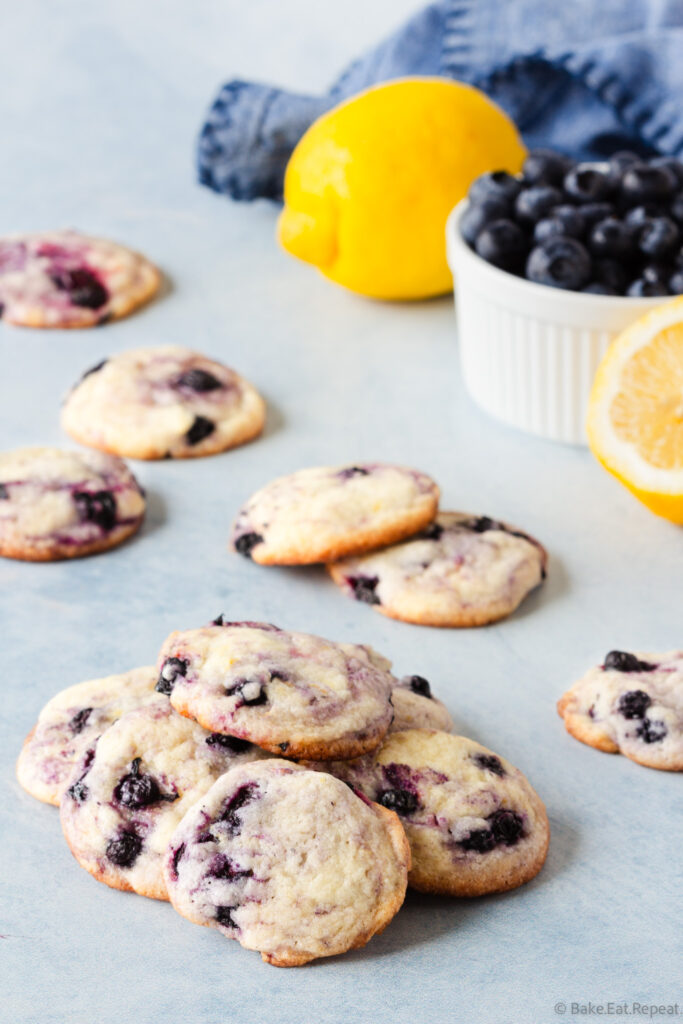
point(584, 77)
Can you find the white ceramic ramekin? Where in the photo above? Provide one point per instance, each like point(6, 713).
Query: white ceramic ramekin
point(529, 352)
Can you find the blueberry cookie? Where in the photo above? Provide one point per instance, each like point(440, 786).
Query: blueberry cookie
point(474, 824)
point(65, 279)
point(60, 504)
point(415, 707)
point(132, 787)
point(462, 570)
point(319, 515)
point(289, 693)
point(166, 402)
point(632, 704)
point(71, 722)
point(289, 862)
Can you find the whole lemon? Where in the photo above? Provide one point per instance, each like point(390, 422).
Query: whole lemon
point(370, 185)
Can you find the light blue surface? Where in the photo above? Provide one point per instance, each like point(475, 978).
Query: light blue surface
point(99, 106)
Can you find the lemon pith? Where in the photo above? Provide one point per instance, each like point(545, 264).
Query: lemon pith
point(370, 185)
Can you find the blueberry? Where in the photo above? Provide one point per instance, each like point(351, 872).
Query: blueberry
point(481, 524)
point(640, 214)
point(670, 164)
point(641, 289)
point(170, 670)
point(432, 532)
point(96, 507)
point(599, 288)
point(223, 867)
point(201, 428)
point(83, 287)
point(502, 244)
point(4, 493)
point(490, 763)
point(507, 827)
point(351, 471)
point(658, 236)
point(2, 310)
point(587, 183)
point(124, 850)
point(418, 684)
point(634, 704)
point(610, 273)
point(593, 212)
point(232, 743)
point(135, 790)
point(245, 544)
point(675, 208)
point(535, 203)
point(562, 220)
point(243, 796)
point(655, 273)
point(251, 691)
point(478, 215)
point(363, 588)
point(545, 167)
point(651, 732)
point(224, 916)
point(79, 791)
point(619, 161)
point(177, 857)
point(624, 661)
point(481, 840)
point(675, 285)
point(94, 369)
point(642, 183)
point(494, 185)
point(399, 800)
point(198, 380)
point(80, 720)
point(559, 263)
point(611, 238)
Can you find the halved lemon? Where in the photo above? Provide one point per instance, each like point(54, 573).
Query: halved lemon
point(635, 412)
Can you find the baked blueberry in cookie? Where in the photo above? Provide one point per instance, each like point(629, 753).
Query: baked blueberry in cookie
point(473, 821)
point(163, 402)
point(288, 862)
point(415, 707)
point(630, 704)
point(287, 692)
point(66, 279)
point(317, 515)
point(62, 504)
point(70, 723)
point(461, 570)
point(125, 800)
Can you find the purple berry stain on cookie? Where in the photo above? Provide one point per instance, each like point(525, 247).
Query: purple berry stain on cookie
point(351, 471)
point(634, 704)
point(97, 507)
point(363, 588)
point(400, 800)
point(175, 859)
point(245, 544)
point(79, 791)
point(223, 867)
point(418, 684)
point(80, 720)
point(83, 287)
point(201, 428)
point(136, 789)
point(251, 692)
point(197, 380)
point(4, 493)
point(651, 732)
point(170, 670)
point(623, 661)
point(490, 763)
point(243, 796)
point(232, 743)
point(505, 829)
point(125, 849)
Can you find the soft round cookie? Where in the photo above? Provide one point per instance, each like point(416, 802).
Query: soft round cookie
point(163, 402)
point(61, 504)
point(632, 704)
point(289, 862)
point(462, 570)
point(291, 693)
point(66, 279)
point(132, 787)
point(71, 722)
point(321, 514)
point(415, 707)
point(474, 824)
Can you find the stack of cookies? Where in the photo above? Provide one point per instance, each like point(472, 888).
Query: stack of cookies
point(282, 788)
point(379, 531)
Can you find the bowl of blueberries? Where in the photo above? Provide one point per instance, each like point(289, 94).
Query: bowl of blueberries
point(549, 265)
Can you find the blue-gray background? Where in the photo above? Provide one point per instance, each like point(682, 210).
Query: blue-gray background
point(99, 106)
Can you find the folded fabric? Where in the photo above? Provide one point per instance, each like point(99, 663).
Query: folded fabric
point(584, 78)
